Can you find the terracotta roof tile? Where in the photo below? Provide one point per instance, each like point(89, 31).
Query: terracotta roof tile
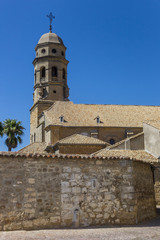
point(37, 147)
point(110, 115)
point(81, 139)
point(111, 156)
point(135, 154)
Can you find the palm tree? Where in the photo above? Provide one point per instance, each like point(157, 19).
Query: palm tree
point(1, 129)
point(13, 129)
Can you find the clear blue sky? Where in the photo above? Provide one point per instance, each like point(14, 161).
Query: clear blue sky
point(113, 47)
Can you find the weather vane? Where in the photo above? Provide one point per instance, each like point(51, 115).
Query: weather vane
point(50, 16)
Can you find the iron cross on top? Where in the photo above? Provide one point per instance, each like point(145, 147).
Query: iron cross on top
point(50, 16)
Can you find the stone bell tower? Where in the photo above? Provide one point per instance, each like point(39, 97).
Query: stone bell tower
point(50, 79)
point(50, 68)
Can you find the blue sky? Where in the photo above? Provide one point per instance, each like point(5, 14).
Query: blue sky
point(113, 47)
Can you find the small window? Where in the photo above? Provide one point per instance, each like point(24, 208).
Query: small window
point(54, 91)
point(64, 74)
point(37, 54)
point(35, 78)
point(112, 141)
point(34, 137)
point(54, 50)
point(54, 72)
point(43, 72)
point(98, 119)
point(31, 138)
point(61, 119)
point(93, 183)
point(43, 51)
point(85, 134)
point(62, 53)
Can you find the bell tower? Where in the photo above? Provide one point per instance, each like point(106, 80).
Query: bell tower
point(50, 79)
point(50, 68)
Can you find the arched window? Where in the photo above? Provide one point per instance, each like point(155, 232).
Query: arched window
point(112, 141)
point(54, 50)
point(54, 72)
point(43, 51)
point(64, 74)
point(34, 137)
point(35, 78)
point(43, 72)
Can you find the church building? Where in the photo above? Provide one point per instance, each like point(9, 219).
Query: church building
point(59, 126)
point(54, 117)
point(86, 164)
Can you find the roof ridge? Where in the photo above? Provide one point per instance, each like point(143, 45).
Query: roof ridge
point(151, 123)
point(66, 138)
point(84, 136)
point(117, 104)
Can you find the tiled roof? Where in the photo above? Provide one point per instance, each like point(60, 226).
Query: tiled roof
point(154, 123)
point(135, 154)
point(126, 139)
point(81, 139)
point(70, 156)
point(37, 147)
point(110, 115)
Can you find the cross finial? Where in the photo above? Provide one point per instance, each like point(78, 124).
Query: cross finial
point(50, 16)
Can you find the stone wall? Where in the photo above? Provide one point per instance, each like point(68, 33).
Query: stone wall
point(144, 191)
point(157, 183)
point(103, 133)
point(37, 135)
point(137, 142)
point(49, 191)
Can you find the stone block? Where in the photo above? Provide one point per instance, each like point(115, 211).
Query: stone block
point(55, 219)
point(31, 180)
point(99, 162)
point(77, 170)
point(30, 210)
point(27, 224)
point(106, 216)
point(127, 189)
point(76, 190)
point(67, 169)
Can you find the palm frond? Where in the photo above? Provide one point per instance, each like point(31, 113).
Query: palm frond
point(13, 129)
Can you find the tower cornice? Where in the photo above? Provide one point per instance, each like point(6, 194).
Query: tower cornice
point(50, 58)
point(49, 44)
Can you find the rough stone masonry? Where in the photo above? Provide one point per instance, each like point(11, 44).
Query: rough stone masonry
point(48, 191)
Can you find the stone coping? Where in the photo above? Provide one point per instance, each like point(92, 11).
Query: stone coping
point(71, 156)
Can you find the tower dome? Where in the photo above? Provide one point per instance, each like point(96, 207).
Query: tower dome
point(50, 38)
